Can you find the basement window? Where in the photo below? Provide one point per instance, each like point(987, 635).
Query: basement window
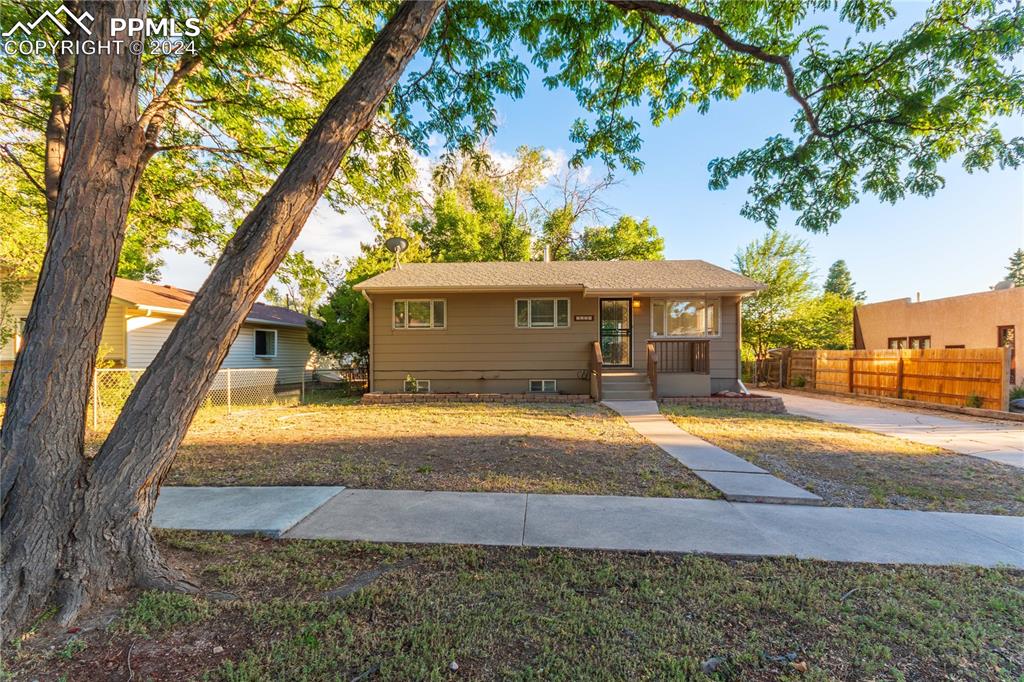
point(543, 386)
point(417, 385)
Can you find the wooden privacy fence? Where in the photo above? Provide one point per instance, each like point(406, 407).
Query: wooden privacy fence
point(971, 377)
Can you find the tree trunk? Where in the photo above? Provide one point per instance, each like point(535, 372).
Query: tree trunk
point(41, 443)
point(57, 125)
point(109, 544)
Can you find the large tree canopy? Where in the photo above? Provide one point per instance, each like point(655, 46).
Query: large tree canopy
point(286, 102)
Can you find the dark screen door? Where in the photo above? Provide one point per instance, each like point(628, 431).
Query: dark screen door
point(616, 331)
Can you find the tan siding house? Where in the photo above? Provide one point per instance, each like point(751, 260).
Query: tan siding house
point(532, 326)
point(142, 315)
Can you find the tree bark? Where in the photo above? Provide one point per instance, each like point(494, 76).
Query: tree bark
point(41, 443)
point(109, 544)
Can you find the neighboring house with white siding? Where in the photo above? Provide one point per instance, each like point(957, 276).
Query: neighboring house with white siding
point(664, 328)
point(142, 315)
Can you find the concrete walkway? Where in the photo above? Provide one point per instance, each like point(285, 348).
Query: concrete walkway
point(612, 523)
point(999, 442)
point(736, 478)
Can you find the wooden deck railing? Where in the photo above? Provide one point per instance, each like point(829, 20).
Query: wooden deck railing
point(677, 356)
point(596, 369)
point(652, 369)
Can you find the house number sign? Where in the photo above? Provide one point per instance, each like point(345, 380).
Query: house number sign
point(583, 318)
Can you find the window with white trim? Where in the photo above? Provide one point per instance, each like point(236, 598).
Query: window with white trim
point(543, 386)
point(265, 345)
point(694, 317)
point(417, 385)
point(541, 313)
point(420, 313)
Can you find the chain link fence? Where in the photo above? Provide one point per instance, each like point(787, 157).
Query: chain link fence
point(232, 389)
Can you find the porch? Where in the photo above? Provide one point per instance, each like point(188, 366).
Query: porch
point(672, 367)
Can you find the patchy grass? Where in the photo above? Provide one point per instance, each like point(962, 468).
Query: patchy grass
point(579, 449)
point(852, 467)
point(154, 612)
point(553, 614)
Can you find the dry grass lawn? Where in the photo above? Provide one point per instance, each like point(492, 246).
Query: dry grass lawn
point(852, 467)
point(272, 610)
point(579, 449)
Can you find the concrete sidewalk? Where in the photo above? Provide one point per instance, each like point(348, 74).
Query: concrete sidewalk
point(613, 523)
point(999, 442)
point(736, 478)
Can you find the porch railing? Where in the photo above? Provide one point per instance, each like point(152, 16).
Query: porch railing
point(652, 369)
point(596, 369)
point(677, 356)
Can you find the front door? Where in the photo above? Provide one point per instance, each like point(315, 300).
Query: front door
point(617, 331)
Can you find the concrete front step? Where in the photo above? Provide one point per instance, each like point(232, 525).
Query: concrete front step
point(633, 373)
point(626, 395)
point(627, 386)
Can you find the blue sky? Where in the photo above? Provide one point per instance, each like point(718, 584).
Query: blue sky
point(956, 242)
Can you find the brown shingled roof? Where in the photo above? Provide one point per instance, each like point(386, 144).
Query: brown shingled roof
point(167, 297)
point(638, 276)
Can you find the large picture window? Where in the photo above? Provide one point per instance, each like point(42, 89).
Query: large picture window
point(542, 312)
point(695, 317)
point(419, 314)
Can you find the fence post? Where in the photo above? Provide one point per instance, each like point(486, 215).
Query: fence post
point(95, 401)
point(849, 372)
point(899, 377)
point(302, 387)
point(1004, 379)
point(229, 389)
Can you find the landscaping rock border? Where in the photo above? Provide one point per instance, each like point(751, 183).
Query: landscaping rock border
point(398, 398)
point(753, 403)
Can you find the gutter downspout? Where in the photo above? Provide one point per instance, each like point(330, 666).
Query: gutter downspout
point(369, 367)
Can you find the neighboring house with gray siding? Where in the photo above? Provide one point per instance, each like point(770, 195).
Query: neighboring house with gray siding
point(142, 315)
point(533, 326)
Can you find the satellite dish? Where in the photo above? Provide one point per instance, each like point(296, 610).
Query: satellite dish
point(396, 245)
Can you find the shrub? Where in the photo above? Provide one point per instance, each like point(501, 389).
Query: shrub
point(974, 400)
point(798, 381)
point(1017, 392)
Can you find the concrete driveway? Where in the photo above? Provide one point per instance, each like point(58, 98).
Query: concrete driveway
point(999, 442)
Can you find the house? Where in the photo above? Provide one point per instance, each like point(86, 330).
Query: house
point(142, 315)
point(989, 319)
point(516, 327)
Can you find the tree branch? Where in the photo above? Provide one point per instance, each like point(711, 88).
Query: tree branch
point(16, 162)
point(712, 26)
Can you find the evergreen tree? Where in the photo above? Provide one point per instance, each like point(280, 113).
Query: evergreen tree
point(840, 282)
point(1016, 268)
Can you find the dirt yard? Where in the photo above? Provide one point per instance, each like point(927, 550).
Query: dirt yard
point(851, 467)
point(580, 449)
point(305, 611)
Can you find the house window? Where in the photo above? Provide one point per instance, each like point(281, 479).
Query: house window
point(542, 312)
point(920, 342)
point(696, 317)
point(420, 314)
point(543, 386)
point(897, 343)
point(266, 343)
point(417, 385)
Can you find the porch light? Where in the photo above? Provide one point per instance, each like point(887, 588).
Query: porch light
point(636, 303)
